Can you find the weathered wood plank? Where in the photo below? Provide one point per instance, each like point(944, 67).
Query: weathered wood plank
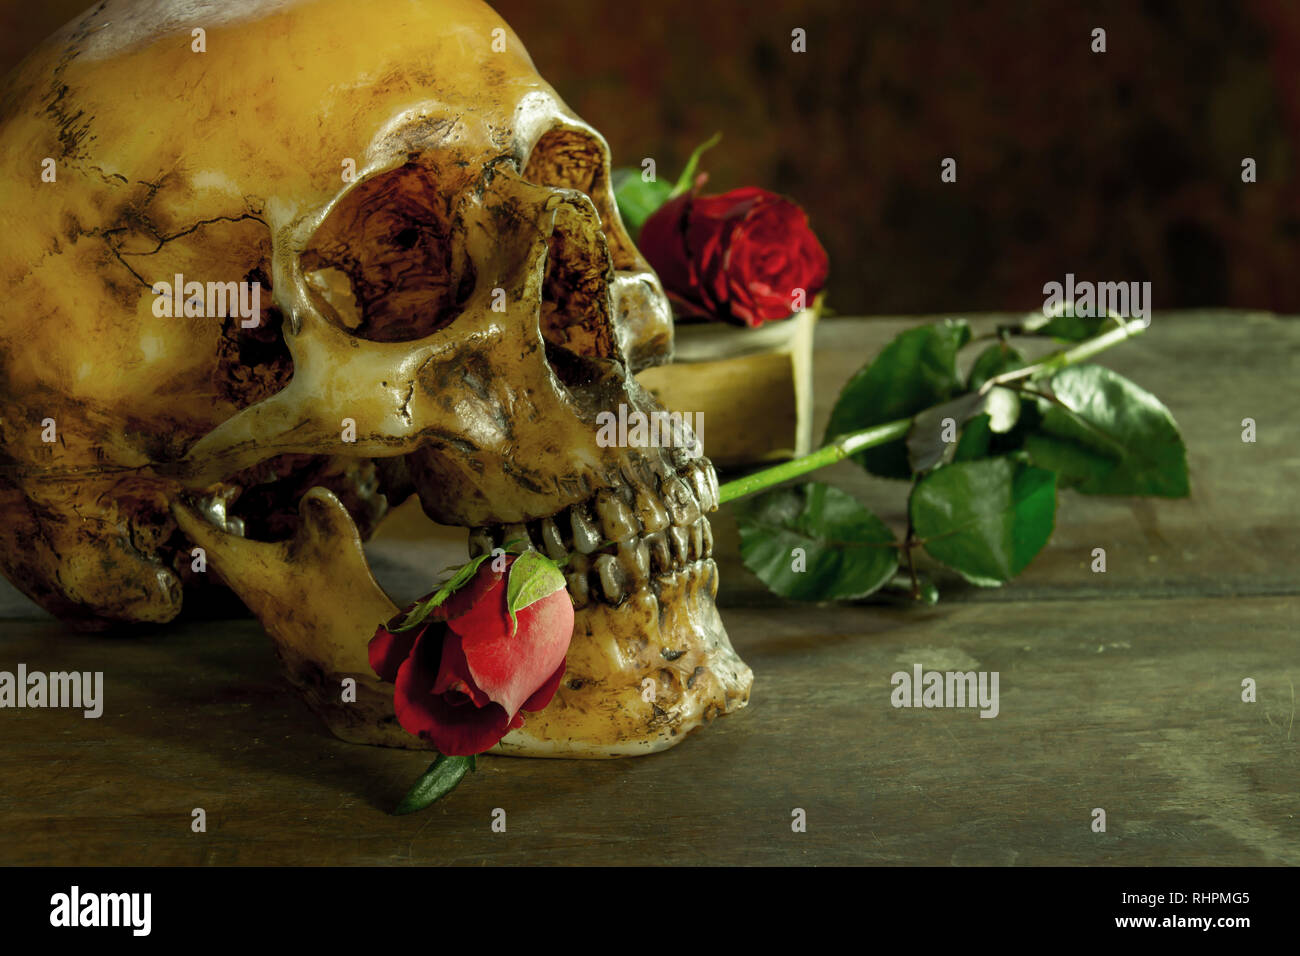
point(1130, 705)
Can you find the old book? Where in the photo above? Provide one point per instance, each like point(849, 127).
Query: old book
point(752, 387)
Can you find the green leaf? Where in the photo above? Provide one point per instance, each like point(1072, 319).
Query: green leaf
point(423, 609)
point(926, 447)
point(1074, 328)
point(994, 360)
point(985, 519)
point(637, 199)
point(975, 440)
point(533, 576)
point(1071, 327)
point(848, 551)
point(1107, 436)
point(916, 370)
point(685, 180)
point(438, 781)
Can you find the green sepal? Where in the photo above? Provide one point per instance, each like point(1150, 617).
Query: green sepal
point(687, 178)
point(425, 607)
point(638, 199)
point(466, 571)
point(439, 780)
point(533, 576)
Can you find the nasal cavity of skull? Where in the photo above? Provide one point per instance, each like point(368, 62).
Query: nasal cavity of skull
point(384, 264)
point(574, 159)
point(574, 314)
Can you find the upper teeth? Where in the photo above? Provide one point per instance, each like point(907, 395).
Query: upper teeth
point(623, 535)
point(586, 537)
point(650, 512)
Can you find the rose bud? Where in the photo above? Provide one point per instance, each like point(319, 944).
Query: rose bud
point(738, 257)
point(492, 647)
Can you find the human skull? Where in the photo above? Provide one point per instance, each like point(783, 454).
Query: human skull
point(448, 321)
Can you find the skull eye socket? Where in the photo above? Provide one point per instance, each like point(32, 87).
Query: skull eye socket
point(565, 159)
point(383, 265)
point(575, 159)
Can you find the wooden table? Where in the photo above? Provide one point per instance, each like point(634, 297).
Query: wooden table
point(1119, 690)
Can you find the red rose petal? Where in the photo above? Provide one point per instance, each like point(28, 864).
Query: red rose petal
point(456, 731)
point(476, 591)
point(507, 667)
point(413, 696)
point(663, 244)
point(542, 696)
point(739, 255)
point(454, 673)
point(467, 730)
point(461, 682)
point(387, 651)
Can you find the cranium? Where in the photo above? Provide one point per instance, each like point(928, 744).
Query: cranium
point(448, 322)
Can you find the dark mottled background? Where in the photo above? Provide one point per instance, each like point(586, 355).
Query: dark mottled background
point(1117, 166)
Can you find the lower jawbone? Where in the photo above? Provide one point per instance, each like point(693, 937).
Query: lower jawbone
point(649, 661)
point(660, 665)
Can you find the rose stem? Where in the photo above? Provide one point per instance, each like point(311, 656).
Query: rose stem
point(854, 442)
point(836, 451)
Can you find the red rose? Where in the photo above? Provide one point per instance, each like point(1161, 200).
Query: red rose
point(739, 256)
point(465, 672)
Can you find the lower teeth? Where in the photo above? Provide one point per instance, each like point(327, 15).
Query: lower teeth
point(635, 556)
point(681, 543)
point(658, 545)
point(577, 585)
point(612, 581)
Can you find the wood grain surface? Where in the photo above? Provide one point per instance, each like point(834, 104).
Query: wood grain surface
point(1119, 690)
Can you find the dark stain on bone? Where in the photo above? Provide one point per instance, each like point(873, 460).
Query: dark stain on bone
point(504, 423)
point(109, 178)
point(522, 477)
point(476, 384)
point(73, 128)
point(454, 442)
point(71, 226)
point(406, 403)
